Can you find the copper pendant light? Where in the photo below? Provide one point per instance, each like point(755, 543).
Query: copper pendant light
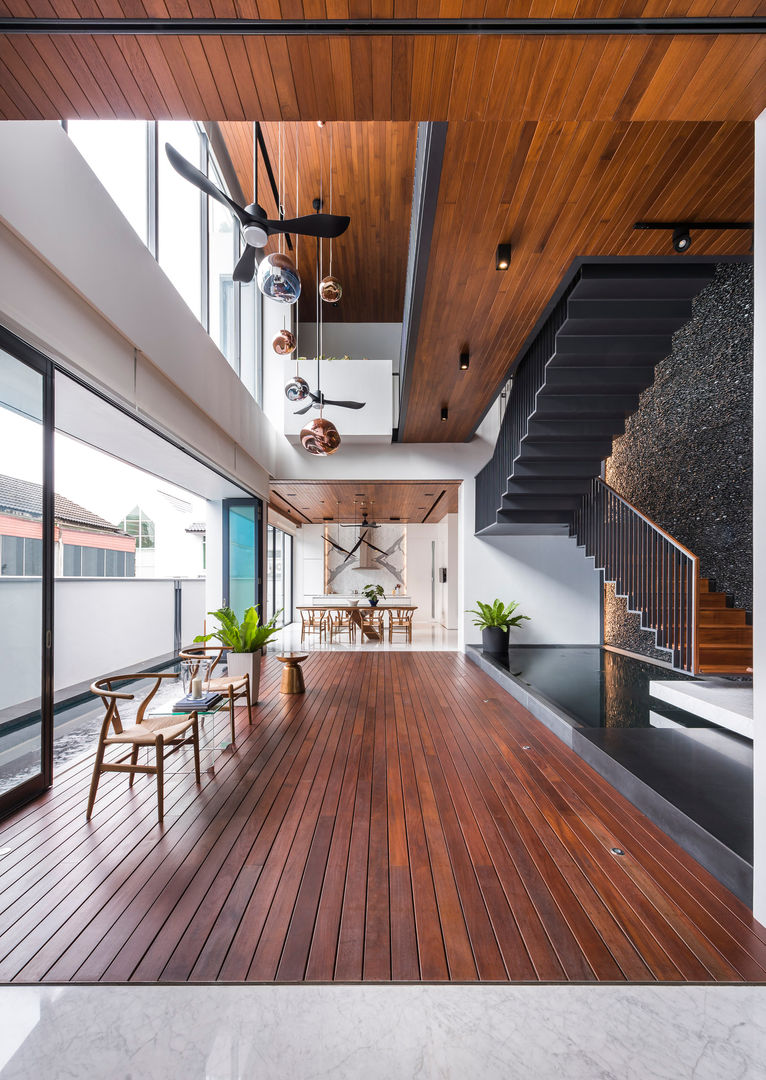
point(320, 437)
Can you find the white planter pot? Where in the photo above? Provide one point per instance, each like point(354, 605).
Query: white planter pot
point(241, 663)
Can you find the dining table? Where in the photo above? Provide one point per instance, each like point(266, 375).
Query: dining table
point(355, 613)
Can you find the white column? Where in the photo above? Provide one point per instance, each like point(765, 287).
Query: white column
point(759, 526)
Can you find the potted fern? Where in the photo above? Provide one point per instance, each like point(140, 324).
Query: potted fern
point(245, 641)
point(495, 620)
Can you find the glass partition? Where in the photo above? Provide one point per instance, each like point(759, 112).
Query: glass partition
point(25, 523)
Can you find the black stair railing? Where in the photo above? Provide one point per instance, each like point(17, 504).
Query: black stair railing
point(528, 379)
point(658, 577)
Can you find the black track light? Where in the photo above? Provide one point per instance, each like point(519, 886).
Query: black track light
point(503, 257)
point(682, 240)
point(464, 361)
point(445, 412)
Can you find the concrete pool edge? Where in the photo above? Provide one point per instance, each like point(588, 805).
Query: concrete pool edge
point(724, 864)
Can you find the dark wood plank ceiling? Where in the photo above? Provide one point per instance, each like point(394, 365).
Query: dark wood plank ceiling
point(440, 77)
point(554, 191)
point(405, 501)
point(372, 176)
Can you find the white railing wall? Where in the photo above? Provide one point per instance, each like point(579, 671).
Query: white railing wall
point(101, 625)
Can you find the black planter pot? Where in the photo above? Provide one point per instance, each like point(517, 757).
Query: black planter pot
point(494, 639)
point(374, 601)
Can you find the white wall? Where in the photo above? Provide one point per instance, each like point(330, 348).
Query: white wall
point(381, 341)
point(344, 380)
point(548, 575)
point(759, 528)
point(419, 540)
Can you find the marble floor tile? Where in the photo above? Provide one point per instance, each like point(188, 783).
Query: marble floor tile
point(383, 1033)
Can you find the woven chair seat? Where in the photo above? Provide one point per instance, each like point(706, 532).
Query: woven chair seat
point(145, 733)
point(223, 682)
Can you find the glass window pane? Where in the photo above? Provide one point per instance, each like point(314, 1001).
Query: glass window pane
point(115, 564)
point(116, 151)
point(248, 336)
point(130, 564)
point(21, 593)
point(179, 242)
point(72, 560)
point(92, 562)
point(13, 556)
point(242, 553)
point(287, 616)
point(221, 241)
point(33, 557)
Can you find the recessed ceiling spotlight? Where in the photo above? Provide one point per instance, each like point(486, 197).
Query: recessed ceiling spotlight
point(464, 361)
point(394, 519)
point(503, 257)
point(445, 413)
point(682, 240)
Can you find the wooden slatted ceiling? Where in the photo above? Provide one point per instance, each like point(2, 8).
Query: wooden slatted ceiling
point(554, 191)
point(614, 77)
point(408, 501)
point(379, 9)
point(391, 824)
point(372, 177)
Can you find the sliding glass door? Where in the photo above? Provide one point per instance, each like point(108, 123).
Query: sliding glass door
point(26, 574)
point(279, 576)
point(242, 575)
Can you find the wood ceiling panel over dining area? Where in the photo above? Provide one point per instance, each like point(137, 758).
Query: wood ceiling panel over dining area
point(372, 176)
point(554, 192)
point(308, 501)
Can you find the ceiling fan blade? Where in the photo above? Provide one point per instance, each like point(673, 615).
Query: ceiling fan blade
point(379, 550)
point(355, 547)
point(345, 404)
point(245, 269)
point(326, 226)
point(337, 547)
point(301, 412)
point(194, 176)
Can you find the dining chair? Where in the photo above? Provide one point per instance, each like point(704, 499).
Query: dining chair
point(400, 622)
point(313, 622)
point(166, 734)
point(372, 619)
point(232, 686)
point(341, 622)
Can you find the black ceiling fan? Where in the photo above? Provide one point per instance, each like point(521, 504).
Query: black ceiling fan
point(256, 227)
point(319, 401)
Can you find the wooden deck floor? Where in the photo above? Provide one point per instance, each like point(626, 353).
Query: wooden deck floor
point(405, 819)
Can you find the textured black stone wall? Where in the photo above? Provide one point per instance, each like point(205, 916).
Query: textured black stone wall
point(686, 458)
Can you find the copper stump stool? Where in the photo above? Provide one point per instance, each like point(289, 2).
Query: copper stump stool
point(292, 676)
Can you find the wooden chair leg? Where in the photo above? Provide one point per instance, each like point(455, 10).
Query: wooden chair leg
point(231, 714)
point(133, 761)
point(249, 699)
point(159, 746)
point(95, 780)
point(195, 742)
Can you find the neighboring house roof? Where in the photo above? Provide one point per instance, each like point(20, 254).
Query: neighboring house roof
point(197, 527)
point(24, 497)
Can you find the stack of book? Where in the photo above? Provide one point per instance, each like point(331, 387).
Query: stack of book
point(203, 704)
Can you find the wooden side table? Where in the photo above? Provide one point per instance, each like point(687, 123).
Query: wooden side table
point(292, 676)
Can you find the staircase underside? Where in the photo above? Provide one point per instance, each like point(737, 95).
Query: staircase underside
point(619, 324)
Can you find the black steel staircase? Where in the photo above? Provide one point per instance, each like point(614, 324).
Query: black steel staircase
point(576, 385)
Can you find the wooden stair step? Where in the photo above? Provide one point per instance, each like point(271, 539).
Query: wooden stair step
point(722, 617)
point(725, 635)
point(725, 669)
point(713, 600)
